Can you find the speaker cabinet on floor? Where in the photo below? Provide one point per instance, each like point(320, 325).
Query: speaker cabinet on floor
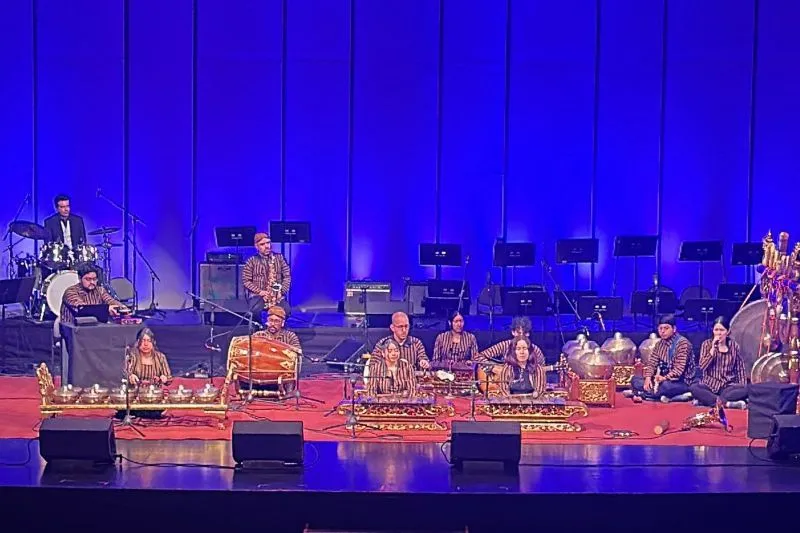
point(77, 439)
point(784, 439)
point(268, 441)
point(765, 401)
point(486, 441)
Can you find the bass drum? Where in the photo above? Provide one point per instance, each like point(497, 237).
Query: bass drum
point(55, 286)
point(746, 327)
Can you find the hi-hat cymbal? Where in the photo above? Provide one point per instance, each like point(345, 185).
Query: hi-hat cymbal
point(105, 230)
point(29, 230)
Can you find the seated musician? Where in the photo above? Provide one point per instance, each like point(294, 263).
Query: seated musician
point(64, 226)
point(145, 363)
point(87, 292)
point(411, 348)
point(521, 373)
point(520, 327)
point(391, 374)
point(266, 277)
point(455, 345)
point(276, 318)
point(670, 370)
point(724, 376)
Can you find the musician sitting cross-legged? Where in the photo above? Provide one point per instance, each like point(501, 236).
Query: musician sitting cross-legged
point(521, 373)
point(671, 368)
point(724, 375)
point(276, 318)
point(266, 277)
point(520, 327)
point(391, 374)
point(455, 345)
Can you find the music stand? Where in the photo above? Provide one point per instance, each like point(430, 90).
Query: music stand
point(635, 246)
point(576, 251)
point(606, 308)
point(701, 252)
point(284, 232)
point(233, 237)
point(526, 302)
point(701, 309)
point(12, 291)
point(514, 254)
point(660, 301)
point(748, 254)
point(439, 255)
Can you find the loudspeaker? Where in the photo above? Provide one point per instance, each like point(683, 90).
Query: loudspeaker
point(77, 439)
point(345, 351)
point(784, 440)
point(486, 441)
point(218, 282)
point(268, 441)
point(765, 401)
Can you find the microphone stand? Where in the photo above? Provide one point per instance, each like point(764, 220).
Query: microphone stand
point(556, 293)
point(136, 220)
point(153, 309)
point(463, 286)
point(11, 242)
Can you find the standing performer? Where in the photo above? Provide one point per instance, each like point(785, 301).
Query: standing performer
point(724, 376)
point(267, 277)
point(64, 226)
point(671, 369)
point(455, 345)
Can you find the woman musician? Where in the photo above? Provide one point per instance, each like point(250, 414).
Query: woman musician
point(390, 374)
point(454, 345)
point(145, 363)
point(520, 373)
point(724, 376)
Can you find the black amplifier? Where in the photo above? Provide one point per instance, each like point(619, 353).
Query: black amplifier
point(223, 258)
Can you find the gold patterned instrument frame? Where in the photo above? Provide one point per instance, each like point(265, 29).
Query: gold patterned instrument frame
point(48, 407)
point(399, 415)
point(536, 415)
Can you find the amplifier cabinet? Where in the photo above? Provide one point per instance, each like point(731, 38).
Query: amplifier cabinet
point(219, 281)
point(373, 291)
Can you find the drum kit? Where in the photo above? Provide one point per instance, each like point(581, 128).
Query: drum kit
point(55, 268)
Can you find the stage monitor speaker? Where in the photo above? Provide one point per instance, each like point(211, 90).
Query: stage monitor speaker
point(218, 282)
point(256, 441)
point(784, 439)
point(77, 439)
point(486, 441)
point(345, 352)
point(765, 401)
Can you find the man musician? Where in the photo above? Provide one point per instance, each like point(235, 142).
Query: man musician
point(266, 277)
point(63, 226)
point(276, 319)
point(87, 292)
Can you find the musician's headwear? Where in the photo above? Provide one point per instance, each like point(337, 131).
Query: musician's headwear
point(277, 311)
point(258, 236)
point(667, 319)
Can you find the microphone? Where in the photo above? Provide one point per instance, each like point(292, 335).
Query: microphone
point(212, 347)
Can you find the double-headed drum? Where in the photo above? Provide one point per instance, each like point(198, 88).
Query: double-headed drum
point(270, 365)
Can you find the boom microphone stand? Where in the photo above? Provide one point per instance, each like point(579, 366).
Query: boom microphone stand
point(557, 292)
point(153, 309)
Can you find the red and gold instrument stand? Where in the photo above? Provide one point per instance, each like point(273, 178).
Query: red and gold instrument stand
point(548, 413)
point(599, 392)
point(623, 374)
point(398, 413)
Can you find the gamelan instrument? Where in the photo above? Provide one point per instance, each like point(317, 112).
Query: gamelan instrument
point(275, 365)
point(209, 399)
point(488, 375)
point(449, 378)
point(398, 412)
point(534, 414)
point(591, 378)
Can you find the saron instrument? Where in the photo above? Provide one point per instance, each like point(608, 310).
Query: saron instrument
point(398, 412)
point(275, 365)
point(534, 414)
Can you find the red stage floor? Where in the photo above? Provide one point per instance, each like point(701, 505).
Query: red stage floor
point(19, 418)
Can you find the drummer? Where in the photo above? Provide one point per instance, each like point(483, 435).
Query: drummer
point(63, 226)
point(276, 318)
point(455, 345)
point(390, 374)
point(87, 292)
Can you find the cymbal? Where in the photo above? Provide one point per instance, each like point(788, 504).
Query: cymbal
point(105, 230)
point(29, 230)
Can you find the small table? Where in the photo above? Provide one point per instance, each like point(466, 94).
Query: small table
point(96, 353)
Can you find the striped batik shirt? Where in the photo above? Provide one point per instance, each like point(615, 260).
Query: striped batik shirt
point(498, 352)
point(536, 375)
point(449, 349)
point(681, 363)
point(386, 380)
point(256, 274)
point(411, 350)
point(284, 335)
point(76, 296)
point(147, 372)
point(721, 369)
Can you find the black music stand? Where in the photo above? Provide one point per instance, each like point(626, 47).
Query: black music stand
point(12, 291)
point(567, 301)
point(701, 252)
point(747, 254)
point(605, 308)
point(514, 254)
point(657, 301)
point(444, 297)
point(235, 237)
point(701, 310)
point(635, 246)
point(526, 302)
point(284, 232)
point(576, 251)
point(438, 255)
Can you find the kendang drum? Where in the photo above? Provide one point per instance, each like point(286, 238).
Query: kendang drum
point(54, 255)
point(55, 286)
point(275, 365)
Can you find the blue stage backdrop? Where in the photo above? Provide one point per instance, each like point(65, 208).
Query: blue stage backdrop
point(388, 124)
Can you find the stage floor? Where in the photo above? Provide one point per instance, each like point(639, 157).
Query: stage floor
point(405, 486)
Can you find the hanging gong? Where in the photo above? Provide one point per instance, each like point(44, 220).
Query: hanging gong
point(746, 330)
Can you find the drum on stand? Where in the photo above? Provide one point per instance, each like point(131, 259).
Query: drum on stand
point(55, 255)
point(84, 253)
point(54, 288)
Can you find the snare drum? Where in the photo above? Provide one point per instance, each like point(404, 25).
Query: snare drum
point(54, 255)
point(55, 286)
point(84, 253)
